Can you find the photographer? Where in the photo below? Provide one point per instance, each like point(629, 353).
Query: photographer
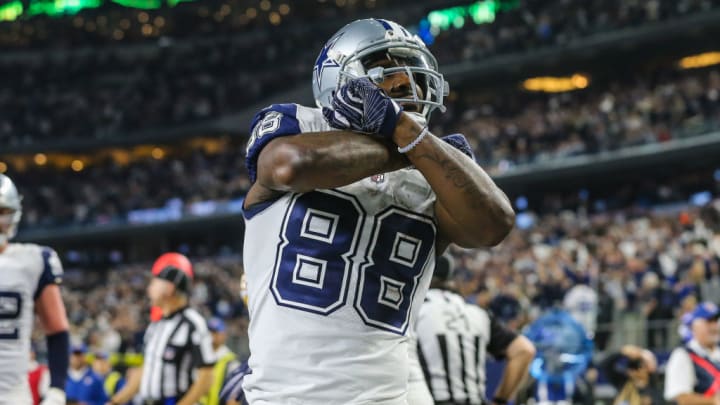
point(631, 371)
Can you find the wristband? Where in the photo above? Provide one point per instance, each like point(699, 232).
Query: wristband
point(407, 148)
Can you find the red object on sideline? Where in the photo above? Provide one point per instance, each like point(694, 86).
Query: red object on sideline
point(34, 377)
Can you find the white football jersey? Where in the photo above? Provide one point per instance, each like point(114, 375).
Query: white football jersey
point(25, 269)
point(335, 278)
point(582, 303)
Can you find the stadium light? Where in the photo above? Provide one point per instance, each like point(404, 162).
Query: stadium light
point(40, 159)
point(157, 153)
point(77, 165)
point(549, 84)
point(700, 60)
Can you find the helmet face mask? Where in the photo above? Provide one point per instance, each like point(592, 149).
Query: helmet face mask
point(380, 49)
point(10, 209)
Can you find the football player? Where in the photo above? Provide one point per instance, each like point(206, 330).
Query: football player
point(350, 203)
point(29, 279)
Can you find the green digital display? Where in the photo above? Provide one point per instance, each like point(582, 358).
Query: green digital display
point(479, 12)
point(13, 10)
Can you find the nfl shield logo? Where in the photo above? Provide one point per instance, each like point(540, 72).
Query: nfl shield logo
point(378, 178)
point(169, 354)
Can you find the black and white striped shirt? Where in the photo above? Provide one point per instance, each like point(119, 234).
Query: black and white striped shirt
point(453, 339)
point(174, 346)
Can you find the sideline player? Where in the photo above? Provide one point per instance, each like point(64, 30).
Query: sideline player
point(29, 279)
point(349, 205)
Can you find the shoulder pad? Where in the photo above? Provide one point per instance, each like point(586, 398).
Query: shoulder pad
point(459, 142)
point(271, 122)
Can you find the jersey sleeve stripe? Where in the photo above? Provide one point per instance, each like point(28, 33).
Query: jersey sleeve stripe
point(46, 277)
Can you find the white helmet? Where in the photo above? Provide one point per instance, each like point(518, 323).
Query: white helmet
point(348, 53)
point(9, 199)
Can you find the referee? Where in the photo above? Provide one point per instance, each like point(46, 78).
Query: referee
point(178, 357)
point(453, 338)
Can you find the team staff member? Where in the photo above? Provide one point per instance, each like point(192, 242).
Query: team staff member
point(178, 355)
point(113, 380)
point(453, 338)
point(226, 360)
point(83, 385)
point(692, 374)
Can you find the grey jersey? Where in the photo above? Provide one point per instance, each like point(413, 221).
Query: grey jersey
point(25, 269)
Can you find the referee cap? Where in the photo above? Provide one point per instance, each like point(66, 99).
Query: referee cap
point(444, 267)
point(176, 268)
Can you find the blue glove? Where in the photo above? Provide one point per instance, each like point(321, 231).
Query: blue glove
point(459, 142)
point(361, 106)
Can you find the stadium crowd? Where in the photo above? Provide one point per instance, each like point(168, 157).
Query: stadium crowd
point(115, 92)
point(519, 128)
point(518, 25)
point(505, 132)
point(537, 24)
point(53, 99)
point(62, 198)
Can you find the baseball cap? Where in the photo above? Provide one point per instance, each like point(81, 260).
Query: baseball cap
point(78, 348)
point(216, 325)
point(705, 310)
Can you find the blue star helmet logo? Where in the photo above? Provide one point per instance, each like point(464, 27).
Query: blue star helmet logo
point(323, 61)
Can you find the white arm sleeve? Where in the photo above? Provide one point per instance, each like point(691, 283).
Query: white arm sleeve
point(679, 374)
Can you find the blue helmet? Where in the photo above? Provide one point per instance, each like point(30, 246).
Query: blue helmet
point(348, 54)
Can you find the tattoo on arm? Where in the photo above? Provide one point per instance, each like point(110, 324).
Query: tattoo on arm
point(453, 173)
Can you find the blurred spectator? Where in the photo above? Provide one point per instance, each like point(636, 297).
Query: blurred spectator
point(83, 384)
point(113, 380)
point(692, 374)
point(581, 302)
point(632, 372)
point(226, 361)
point(605, 316)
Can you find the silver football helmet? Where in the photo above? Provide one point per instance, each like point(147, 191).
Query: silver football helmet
point(353, 50)
point(10, 201)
